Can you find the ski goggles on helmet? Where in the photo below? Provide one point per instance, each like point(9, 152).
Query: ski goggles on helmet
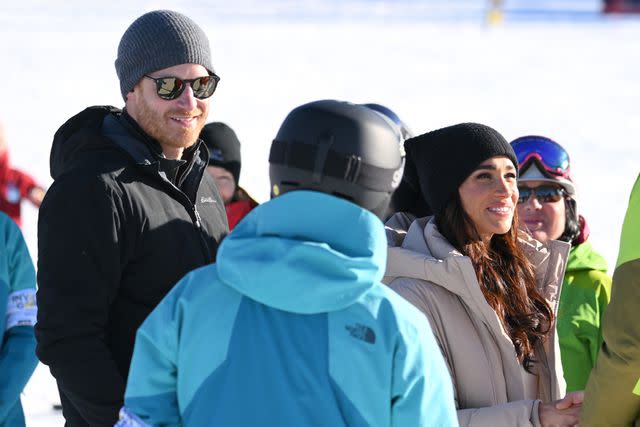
point(170, 88)
point(547, 153)
point(544, 193)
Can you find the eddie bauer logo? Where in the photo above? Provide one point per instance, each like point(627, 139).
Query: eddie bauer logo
point(207, 199)
point(362, 332)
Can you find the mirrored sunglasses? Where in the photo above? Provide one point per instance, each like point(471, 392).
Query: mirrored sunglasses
point(544, 193)
point(170, 88)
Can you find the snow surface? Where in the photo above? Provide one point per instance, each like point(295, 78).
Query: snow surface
point(556, 68)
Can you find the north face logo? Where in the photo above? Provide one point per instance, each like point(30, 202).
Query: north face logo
point(362, 332)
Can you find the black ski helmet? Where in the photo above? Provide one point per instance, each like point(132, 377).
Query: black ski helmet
point(338, 148)
point(388, 113)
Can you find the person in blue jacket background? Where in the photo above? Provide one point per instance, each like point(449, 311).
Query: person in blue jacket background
point(292, 326)
point(18, 316)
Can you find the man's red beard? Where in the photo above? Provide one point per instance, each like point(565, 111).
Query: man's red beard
point(153, 124)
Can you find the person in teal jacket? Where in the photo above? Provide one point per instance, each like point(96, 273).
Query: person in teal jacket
point(548, 207)
point(291, 326)
point(17, 316)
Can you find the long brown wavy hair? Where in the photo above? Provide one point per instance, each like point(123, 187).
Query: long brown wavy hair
point(506, 279)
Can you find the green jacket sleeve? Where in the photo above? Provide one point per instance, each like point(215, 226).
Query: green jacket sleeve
point(610, 398)
point(582, 305)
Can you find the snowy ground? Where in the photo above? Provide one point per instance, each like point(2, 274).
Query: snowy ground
point(552, 68)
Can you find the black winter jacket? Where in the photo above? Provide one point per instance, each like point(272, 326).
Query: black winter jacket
point(117, 229)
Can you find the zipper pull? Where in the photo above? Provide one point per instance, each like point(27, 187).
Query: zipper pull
point(198, 219)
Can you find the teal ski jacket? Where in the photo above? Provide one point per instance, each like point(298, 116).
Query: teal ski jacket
point(17, 318)
point(291, 327)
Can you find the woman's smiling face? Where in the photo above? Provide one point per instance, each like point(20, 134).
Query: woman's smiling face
point(489, 196)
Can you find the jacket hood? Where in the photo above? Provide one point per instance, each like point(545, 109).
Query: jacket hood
point(585, 257)
point(304, 252)
point(77, 140)
point(433, 259)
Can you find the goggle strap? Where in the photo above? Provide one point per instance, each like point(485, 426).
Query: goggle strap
point(336, 165)
point(548, 172)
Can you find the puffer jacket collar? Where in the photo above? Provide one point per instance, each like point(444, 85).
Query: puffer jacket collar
point(422, 252)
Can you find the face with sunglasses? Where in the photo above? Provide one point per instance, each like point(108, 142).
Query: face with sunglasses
point(172, 105)
point(541, 208)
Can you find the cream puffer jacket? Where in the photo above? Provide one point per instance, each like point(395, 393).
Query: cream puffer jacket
point(425, 269)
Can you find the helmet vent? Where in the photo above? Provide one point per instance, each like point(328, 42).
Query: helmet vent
point(353, 168)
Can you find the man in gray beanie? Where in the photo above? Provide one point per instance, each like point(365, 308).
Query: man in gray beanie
point(131, 210)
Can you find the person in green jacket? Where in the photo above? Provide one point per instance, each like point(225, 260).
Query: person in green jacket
point(548, 207)
point(612, 396)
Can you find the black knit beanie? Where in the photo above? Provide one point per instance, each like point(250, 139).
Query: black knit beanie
point(157, 40)
point(444, 158)
point(224, 147)
point(408, 196)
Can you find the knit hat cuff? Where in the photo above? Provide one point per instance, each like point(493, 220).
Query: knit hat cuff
point(232, 167)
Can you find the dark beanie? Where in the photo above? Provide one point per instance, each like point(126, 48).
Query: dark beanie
point(408, 195)
point(157, 40)
point(444, 158)
point(224, 147)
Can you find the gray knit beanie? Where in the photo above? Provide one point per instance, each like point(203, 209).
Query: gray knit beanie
point(157, 40)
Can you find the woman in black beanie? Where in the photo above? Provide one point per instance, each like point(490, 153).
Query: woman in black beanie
point(489, 291)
